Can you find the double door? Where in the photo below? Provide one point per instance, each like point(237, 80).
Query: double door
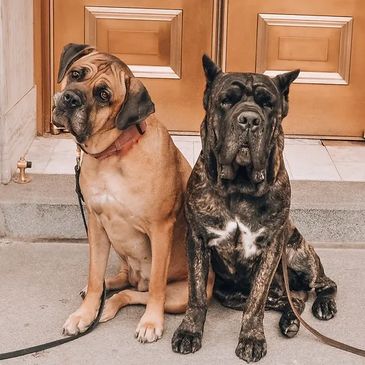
point(163, 41)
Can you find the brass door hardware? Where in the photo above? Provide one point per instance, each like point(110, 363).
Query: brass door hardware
point(22, 177)
point(55, 130)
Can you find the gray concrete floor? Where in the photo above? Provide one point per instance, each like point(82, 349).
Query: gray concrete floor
point(39, 285)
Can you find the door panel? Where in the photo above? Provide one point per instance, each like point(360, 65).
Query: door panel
point(161, 40)
point(322, 38)
point(148, 40)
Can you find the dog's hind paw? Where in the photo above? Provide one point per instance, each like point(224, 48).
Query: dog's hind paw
point(324, 308)
point(289, 324)
point(111, 308)
point(186, 342)
point(251, 349)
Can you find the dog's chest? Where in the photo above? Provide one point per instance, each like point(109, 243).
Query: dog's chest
point(236, 238)
point(111, 198)
point(236, 243)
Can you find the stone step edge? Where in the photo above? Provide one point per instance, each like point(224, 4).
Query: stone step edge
point(48, 208)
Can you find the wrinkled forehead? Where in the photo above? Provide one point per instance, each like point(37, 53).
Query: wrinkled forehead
point(98, 63)
point(248, 81)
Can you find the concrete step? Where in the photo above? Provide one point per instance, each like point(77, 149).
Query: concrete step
point(47, 208)
point(39, 289)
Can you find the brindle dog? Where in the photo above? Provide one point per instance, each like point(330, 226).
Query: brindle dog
point(237, 207)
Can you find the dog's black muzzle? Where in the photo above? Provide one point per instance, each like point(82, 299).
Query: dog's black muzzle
point(70, 111)
point(249, 120)
point(245, 143)
point(71, 100)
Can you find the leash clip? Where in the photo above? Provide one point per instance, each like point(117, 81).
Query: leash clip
point(139, 129)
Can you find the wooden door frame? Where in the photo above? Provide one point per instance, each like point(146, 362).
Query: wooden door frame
point(42, 63)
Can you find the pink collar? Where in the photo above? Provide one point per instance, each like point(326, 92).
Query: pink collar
point(123, 143)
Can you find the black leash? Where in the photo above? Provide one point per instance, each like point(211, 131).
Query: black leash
point(77, 186)
point(48, 345)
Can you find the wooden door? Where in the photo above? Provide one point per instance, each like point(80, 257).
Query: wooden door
point(325, 39)
point(161, 40)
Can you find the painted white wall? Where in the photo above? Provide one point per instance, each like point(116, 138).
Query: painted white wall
point(17, 89)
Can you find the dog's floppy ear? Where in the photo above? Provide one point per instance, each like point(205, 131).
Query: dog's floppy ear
point(137, 105)
point(283, 82)
point(211, 70)
point(71, 53)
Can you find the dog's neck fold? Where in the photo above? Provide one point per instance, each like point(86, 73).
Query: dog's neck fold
point(122, 143)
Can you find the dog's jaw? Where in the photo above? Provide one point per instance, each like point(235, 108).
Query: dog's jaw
point(76, 121)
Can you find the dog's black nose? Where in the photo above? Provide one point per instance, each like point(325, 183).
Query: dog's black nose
point(71, 99)
point(249, 119)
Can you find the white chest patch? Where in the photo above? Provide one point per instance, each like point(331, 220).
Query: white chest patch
point(222, 234)
point(246, 239)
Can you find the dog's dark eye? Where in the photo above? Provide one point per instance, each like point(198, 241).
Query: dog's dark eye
point(75, 75)
point(226, 102)
point(267, 103)
point(264, 98)
point(103, 95)
point(231, 96)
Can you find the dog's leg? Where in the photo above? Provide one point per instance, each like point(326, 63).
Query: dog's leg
point(99, 247)
point(277, 300)
point(176, 300)
point(252, 343)
point(150, 327)
point(117, 282)
point(308, 273)
point(289, 324)
point(188, 337)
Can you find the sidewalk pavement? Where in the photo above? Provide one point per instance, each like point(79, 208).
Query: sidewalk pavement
point(39, 288)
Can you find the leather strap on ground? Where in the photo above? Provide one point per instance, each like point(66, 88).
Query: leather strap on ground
point(327, 340)
point(48, 345)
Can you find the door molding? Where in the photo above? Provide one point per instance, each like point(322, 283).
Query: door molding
point(42, 63)
point(219, 29)
point(172, 16)
point(267, 22)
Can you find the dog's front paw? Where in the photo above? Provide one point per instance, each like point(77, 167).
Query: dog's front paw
point(149, 329)
point(186, 342)
point(251, 348)
point(78, 321)
point(324, 308)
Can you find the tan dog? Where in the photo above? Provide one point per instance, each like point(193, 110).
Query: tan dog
point(132, 179)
